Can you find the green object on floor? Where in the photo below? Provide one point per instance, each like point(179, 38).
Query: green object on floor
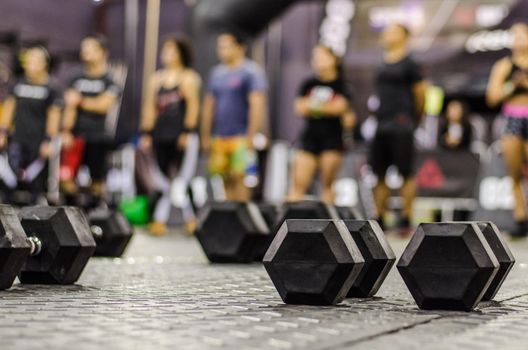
point(136, 210)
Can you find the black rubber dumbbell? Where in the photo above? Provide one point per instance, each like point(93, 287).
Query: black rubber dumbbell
point(232, 232)
point(269, 212)
point(313, 262)
point(449, 265)
point(111, 230)
point(502, 253)
point(43, 245)
point(331, 250)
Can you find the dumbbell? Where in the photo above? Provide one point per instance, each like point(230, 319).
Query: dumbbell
point(232, 232)
point(249, 240)
point(306, 209)
point(320, 262)
point(454, 266)
point(111, 230)
point(43, 245)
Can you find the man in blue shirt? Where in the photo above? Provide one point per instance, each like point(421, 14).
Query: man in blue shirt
point(233, 112)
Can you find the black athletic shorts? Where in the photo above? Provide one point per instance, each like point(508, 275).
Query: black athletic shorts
point(318, 138)
point(95, 158)
point(392, 147)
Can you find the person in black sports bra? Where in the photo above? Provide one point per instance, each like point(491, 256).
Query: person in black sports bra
point(508, 86)
point(170, 111)
point(31, 117)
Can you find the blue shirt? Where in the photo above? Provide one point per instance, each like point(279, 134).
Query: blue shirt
point(230, 89)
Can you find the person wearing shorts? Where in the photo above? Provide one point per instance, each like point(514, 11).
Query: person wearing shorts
point(508, 85)
point(233, 112)
point(322, 103)
point(89, 97)
point(401, 92)
point(31, 118)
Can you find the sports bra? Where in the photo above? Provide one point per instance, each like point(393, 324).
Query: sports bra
point(519, 90)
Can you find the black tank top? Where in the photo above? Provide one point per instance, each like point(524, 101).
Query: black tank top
point(170, 107)
point(519, 90)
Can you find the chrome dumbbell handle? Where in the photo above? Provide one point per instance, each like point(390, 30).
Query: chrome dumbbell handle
point(35, 245)
point(97, 231)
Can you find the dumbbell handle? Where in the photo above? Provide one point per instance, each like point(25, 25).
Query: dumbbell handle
point(97, 231)
point(35, 245)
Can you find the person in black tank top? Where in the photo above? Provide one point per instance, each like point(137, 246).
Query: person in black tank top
point(31, 117)
point(401, 92)
point(508, 86)
point(170, 111)
point(323, 101)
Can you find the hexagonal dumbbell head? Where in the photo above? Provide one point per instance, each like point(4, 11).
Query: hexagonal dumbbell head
point(14, 246)
point(378, 255)
point(306, 210)
point(65, 244)
point(269, 212)
point(502, 253)
point(313, 262)
point(230, 231)
point(448, 266)
point(349, 213)
point(111, 230)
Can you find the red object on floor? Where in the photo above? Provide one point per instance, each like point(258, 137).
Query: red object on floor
point(71, 160)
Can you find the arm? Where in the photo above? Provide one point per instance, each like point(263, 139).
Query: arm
point(191, 92)
point(419, 90)
point(335, 108)
point(148, 115)
point(257, 113)
point(348, 120)
point(497, 91)
point(53, 121)
point(207, 120)
point(72, 98)
point(8, 113)
point(100, 104)
point(301, 106)
point(52, 129)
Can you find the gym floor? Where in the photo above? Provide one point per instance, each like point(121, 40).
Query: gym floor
point(164, 295)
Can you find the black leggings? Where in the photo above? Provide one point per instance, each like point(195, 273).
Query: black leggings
point(20, 157)
point(168, 156)
point(94, 157)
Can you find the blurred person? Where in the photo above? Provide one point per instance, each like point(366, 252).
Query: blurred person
point(455, 131)
point(30, 118)
point(170, 111)
point(323, 103)
point(234, 109)
point(88, 99)
point(401, 91)
point(508, 85)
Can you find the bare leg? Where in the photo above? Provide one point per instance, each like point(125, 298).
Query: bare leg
point(236, 190)
point(381, 196)
point(512, 152)
point(304, 167)
point(97, 188)
point(408, 193)
point(330, 164)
